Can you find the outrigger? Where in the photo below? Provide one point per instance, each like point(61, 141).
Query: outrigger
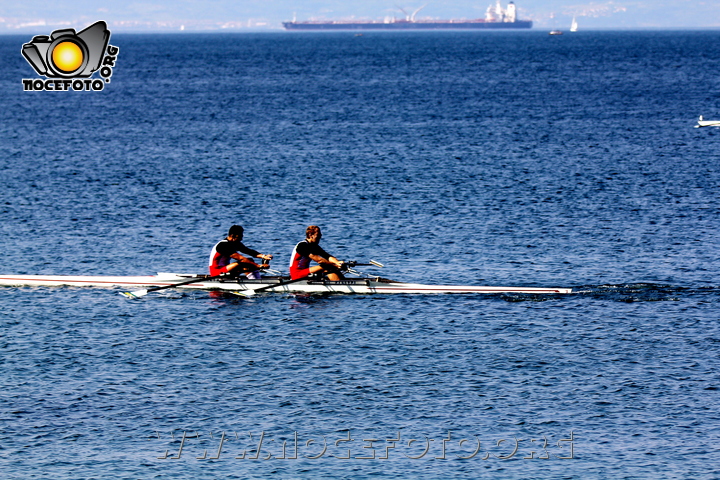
point(274, 283)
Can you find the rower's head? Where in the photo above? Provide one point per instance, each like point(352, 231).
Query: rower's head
point(313, 234)
point(235, 233)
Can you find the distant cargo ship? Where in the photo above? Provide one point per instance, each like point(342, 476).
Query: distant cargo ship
point(495, 17)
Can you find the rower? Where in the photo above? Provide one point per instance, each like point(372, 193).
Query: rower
point(310, 250)
point(227, 250)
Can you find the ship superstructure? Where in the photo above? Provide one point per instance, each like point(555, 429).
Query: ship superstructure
point(496, 17)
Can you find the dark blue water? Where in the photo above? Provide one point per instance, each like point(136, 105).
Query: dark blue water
point(486, 159)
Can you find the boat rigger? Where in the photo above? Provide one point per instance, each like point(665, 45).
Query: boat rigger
point(270, 284)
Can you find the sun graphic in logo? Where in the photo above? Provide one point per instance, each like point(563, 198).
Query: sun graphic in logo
point(67, 56)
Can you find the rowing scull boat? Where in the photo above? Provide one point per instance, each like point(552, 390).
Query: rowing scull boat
point(350, 285)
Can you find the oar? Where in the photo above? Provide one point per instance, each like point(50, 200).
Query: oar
point(142, 293)
point(251, 292)
point(370, 262)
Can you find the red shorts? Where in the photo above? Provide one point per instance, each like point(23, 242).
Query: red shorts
point(242, 267)
point(296, 273)
point(214, 271)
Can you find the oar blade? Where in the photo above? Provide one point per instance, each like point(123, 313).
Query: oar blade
point(136, 294)
point(245, 293)
point(377, 264)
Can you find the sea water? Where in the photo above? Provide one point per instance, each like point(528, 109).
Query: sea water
point(493, 158)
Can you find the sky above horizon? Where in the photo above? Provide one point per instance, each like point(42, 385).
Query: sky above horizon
point(268, 14)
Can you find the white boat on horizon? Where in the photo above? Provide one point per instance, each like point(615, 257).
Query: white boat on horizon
point(554, 30)
point(574, 25)
point(707, 123)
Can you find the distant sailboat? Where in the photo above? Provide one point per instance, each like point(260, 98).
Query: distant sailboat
point(554, 31)
point(573, 25)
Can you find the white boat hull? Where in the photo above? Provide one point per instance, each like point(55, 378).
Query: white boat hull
point(354, 285)
point(707, 123)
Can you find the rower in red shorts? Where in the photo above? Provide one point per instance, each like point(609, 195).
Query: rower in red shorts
point(310, 250)
point(225, 251)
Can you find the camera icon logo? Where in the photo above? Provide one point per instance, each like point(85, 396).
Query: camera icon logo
point(67, 54)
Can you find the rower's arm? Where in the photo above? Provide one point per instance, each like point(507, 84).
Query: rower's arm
point(243, 259)
point(321, 260)
point(256, 254)
point(318, 259)
point(249, 251)
point(325, 261)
